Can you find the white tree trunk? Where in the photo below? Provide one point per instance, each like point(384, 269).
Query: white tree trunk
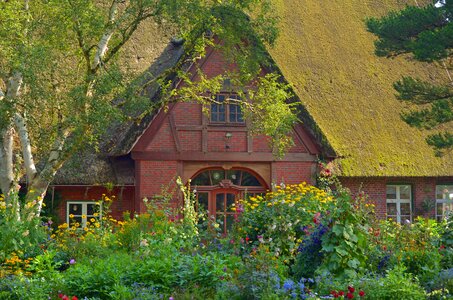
point(105, 39)
point(29, 163)
point(37, 187)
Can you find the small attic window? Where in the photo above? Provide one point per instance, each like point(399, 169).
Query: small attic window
point(225, 110)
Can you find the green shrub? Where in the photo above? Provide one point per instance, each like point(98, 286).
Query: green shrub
point(279, 218)
point(396, 284)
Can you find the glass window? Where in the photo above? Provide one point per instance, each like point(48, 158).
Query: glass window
point(82, 212)
point(444, 201)
point(226, 109)
point(399, 202)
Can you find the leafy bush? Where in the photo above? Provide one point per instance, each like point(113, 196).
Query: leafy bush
point(397, 284)
point(278, 219)
point(345, 246)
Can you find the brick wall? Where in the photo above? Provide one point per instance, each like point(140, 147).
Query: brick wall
point(423, 189)
point(293, 172)
point(153, 177)
point(123, 201)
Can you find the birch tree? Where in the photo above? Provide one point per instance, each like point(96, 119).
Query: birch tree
point(59, 71)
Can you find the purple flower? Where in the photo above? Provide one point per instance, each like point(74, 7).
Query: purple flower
point(171, 298)
point(72, 261)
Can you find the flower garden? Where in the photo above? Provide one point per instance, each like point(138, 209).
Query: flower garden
point(296, 242)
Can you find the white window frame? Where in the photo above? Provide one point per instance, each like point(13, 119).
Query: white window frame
point(399, 201)
point(447, 198)
point(84, 211)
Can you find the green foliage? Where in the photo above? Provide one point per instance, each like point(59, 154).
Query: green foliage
point(395, 285)
point(24, 235)
point(279, 218)
point(427, 34)
point(345, 245)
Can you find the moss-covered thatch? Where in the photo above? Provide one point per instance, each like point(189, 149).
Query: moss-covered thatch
point(325, 51)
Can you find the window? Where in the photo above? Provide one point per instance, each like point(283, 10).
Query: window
point(226, 110)
point(81, 212)
point(444, 201)
point(399, 203)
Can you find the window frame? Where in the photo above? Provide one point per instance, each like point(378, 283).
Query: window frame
point(84, 211)
point(398, 201)
point(227, 110)
point(441, 216)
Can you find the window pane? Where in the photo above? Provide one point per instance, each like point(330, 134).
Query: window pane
point(220, 202)
point(444, 192)
point(405, 219)
point(234, 176)
point(230, 200)
point(92, 208)
point(391, 209)
point(391, 192)
point(405, 192)
point(75, 209)
point(405, 208)
point(217, 176)
point(75, 220)
point(221, 117)
point(249, 180)
point(202, 201)
point(201, 179)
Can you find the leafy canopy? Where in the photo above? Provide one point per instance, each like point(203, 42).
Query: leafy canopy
point(426, 33)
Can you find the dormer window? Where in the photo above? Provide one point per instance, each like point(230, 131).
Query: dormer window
point(226, 110)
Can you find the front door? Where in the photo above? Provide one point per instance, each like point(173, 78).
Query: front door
point(218, 203)
point(224, 200)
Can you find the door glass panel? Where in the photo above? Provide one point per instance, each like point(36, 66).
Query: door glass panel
point(229, 222)
point(220, 202)
point(230, 200)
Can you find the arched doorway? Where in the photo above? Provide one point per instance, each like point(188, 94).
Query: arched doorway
point(218, 189)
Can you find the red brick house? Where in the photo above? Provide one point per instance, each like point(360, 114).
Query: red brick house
point(349, 116)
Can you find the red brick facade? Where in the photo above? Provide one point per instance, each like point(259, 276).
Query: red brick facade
point(423, 190)
point(181, 141)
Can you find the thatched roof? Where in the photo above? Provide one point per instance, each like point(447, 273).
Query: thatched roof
point(325, 52)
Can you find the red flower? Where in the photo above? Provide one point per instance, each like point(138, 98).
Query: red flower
point(341, 293)
point(350, 295)
point(65, 297)
point(74, 298)
point(247, 239)
point(361, 293)
point(351, 289)
point(60, 295)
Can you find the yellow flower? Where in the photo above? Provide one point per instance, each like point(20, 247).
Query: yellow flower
point(84, 216)
point(71, 216)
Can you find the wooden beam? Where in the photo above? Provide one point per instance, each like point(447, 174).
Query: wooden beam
point(174, 132)
point(219, 156)
point(204, 132)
